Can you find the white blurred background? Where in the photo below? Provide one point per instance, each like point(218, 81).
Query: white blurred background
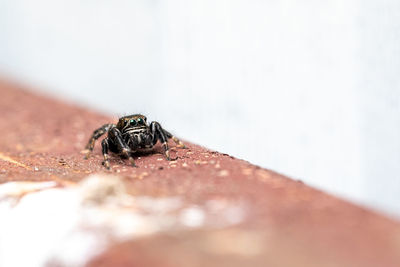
point(310, 88)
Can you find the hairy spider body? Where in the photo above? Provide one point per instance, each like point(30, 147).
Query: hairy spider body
point(131, 134)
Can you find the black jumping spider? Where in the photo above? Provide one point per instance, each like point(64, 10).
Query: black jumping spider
point(131, 134)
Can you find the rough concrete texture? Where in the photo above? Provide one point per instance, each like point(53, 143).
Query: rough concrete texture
point(276, 221)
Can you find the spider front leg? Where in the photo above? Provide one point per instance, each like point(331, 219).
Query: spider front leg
point(176, 140)
point(116, 137)
point(160, 134)
point(105, 146)
point(96, 135)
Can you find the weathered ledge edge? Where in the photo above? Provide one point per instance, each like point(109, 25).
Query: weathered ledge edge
point(286, 223)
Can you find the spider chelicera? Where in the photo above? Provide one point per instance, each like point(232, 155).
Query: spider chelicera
point(129, 135)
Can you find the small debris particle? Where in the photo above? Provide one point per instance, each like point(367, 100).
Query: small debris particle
point(184, 165)
point(159, 159)
point(223, 173)
point(247, 171)
point(85, 151)
point(172, 162)
point(263, 175)
point(217, 166)
point(19, 147)
point(173, 166)
point(36, 168)
point(142, 175)
point(189, 153)
point(62, 162)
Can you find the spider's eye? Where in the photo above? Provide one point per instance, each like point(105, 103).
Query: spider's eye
point(140, 121)
point(132, 122)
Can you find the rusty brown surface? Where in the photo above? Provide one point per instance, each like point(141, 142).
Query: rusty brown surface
point(286, 223)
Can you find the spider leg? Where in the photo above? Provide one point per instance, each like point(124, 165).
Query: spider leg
point(96, 135)
point(122, 147)
point(160, 134)
point(105, 146)
point(176, 140)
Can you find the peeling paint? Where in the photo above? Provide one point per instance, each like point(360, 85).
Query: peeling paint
point(69, 225)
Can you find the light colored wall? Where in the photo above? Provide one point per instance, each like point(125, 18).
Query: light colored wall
point(307, 88)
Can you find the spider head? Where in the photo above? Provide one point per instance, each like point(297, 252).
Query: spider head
point(132, 121)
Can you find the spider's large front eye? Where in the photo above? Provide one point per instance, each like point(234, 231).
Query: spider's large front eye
point(132, 122)
point(140, 121)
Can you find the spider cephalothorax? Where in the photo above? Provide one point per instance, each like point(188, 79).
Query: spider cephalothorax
point(129, 135)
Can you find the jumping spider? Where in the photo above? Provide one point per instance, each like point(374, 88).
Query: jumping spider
point(131, 134)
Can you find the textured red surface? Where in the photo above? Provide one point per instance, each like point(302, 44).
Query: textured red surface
point(286, 223)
